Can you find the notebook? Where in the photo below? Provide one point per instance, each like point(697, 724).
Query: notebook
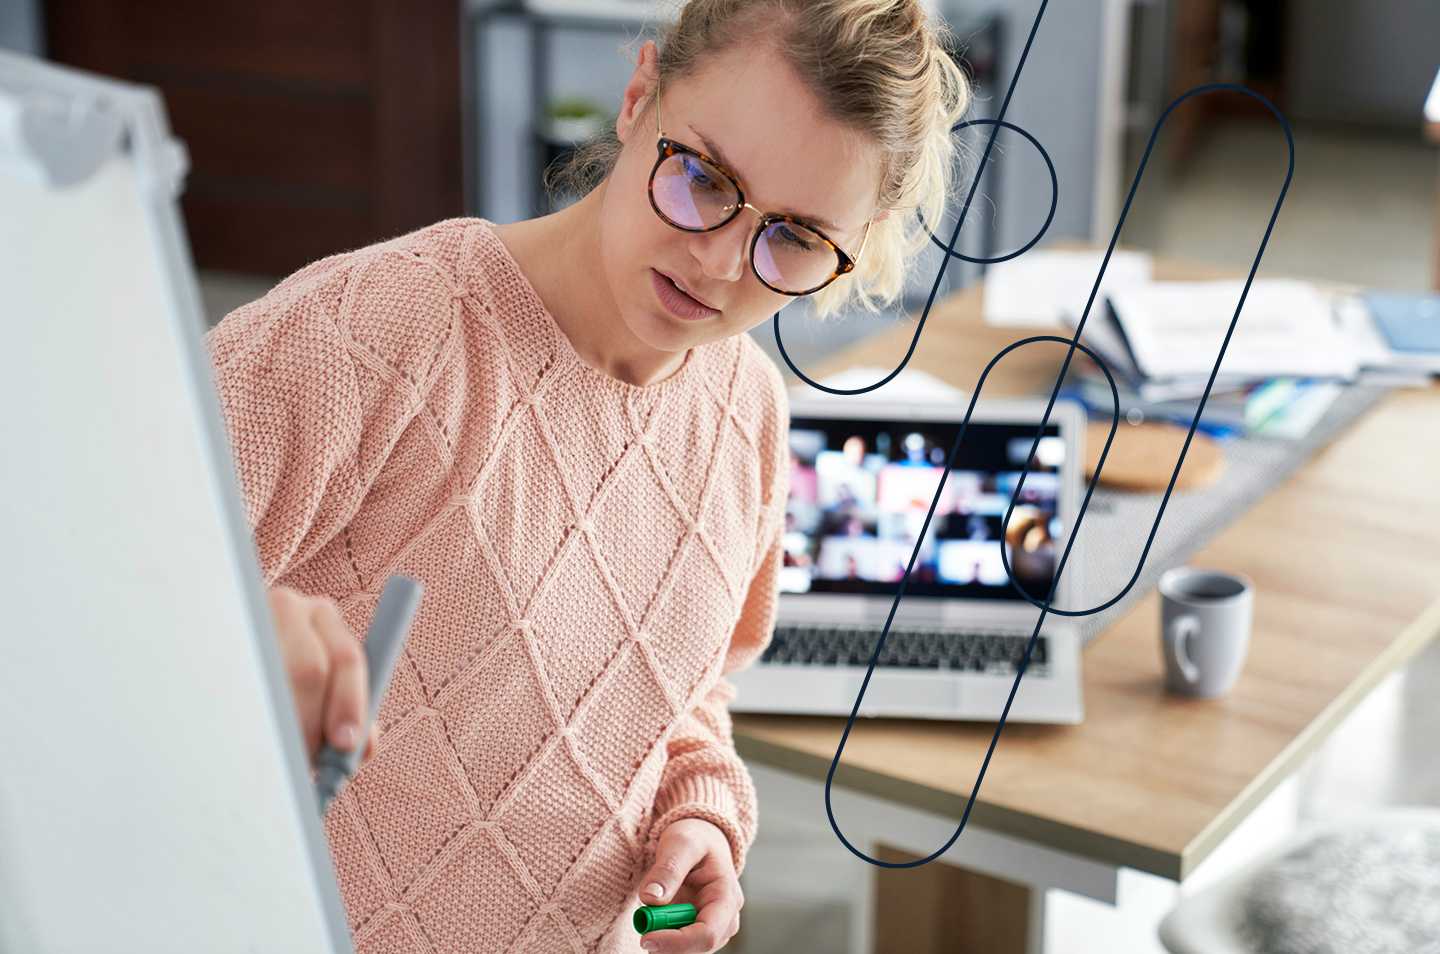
point(1409, 323)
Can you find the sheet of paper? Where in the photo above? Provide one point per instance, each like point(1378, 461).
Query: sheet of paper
point(1365, 342)
point(1285, 328)
point(1040, 287)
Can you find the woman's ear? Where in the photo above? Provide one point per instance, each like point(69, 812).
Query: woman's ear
point(638, 90)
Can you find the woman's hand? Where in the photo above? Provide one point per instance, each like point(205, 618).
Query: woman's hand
point(327, 670)
point(694, 857)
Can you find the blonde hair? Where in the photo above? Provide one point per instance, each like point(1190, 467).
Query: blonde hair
point(879, 67)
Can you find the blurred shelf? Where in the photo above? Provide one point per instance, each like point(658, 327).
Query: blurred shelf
point(623, 11)
point(599, 13)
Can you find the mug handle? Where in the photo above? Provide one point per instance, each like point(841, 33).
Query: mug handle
point(1181, 629)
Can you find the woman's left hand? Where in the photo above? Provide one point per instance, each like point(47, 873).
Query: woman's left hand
point(693, 864)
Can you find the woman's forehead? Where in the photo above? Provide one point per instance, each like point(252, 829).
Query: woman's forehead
point(769, 130)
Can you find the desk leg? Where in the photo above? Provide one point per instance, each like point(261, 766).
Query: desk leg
point(862, 909)
point(992, 892)
point(940, 908)
point(985, 869)
point(1035, 921)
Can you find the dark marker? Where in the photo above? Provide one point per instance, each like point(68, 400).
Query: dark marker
point(383, 642)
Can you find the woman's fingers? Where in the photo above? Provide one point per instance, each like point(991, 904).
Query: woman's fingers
point(345, 707)
point(718, 918)
point(326, 665)
point(305, 659)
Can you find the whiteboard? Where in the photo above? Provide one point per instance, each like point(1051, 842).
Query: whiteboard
point(155, 793)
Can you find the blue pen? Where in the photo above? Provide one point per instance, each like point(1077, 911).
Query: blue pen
point(383, 642)
point(1205, 427)
point(1217, 430)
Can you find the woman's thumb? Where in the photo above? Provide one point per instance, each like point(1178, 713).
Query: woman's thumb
point(655, 892)
point(657, 884)
point(678, 853)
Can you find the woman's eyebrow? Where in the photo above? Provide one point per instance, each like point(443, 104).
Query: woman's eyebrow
point(719, 157)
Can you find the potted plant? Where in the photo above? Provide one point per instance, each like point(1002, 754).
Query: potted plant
point(573, 119)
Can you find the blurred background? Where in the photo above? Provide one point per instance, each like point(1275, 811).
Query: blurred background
point(319, 126)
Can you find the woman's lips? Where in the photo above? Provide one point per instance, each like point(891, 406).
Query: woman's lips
point(677, 302)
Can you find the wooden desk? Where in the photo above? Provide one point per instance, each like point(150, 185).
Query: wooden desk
point(1346, 559)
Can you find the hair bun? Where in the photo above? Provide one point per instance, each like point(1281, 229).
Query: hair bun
point(882, 68)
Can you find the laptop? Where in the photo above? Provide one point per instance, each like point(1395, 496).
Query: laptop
point(863, 476)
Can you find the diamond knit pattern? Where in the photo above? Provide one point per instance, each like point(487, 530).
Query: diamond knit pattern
point(596, 557)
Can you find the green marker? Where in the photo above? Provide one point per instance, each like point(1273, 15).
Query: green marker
point(660, 917)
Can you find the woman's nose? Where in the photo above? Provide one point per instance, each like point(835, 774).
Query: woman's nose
point(721, 253)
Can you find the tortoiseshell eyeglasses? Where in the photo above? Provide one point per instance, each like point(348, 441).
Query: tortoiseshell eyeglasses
point(695, 193)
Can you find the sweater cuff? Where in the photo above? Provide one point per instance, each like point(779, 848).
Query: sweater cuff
point(700, 796)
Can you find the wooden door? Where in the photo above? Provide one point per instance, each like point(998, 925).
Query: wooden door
point(312, 128)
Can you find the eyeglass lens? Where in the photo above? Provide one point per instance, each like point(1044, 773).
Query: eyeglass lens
point(693, 194)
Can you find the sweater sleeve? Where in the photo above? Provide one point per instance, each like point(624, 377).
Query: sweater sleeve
point(310, 402)
point(704, 776)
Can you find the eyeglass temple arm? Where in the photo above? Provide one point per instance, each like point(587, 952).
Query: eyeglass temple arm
point(868, 225)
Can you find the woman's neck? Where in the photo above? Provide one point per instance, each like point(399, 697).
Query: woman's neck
point(560, 255)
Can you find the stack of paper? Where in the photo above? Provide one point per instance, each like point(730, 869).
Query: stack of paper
point(1285, 361)
point(1175, 330)
point(1102, 334)
point(1289, 355)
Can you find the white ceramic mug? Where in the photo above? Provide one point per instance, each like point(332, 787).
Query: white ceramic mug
point(1204, 629)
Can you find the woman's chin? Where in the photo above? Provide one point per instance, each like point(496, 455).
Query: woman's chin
point(665, 332)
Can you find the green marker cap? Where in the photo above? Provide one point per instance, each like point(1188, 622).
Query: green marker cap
point(659, 917)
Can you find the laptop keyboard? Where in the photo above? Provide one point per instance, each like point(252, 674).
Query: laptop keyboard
point(992, 652)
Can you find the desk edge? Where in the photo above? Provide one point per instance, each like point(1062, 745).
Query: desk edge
point(1411, 640)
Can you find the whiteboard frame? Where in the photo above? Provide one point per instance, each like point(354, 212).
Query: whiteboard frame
point(143, 132)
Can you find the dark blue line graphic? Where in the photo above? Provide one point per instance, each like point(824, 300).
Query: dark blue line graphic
point(996, 123)
point(1045, 227)
point(1073, 343)
point(1085, 316)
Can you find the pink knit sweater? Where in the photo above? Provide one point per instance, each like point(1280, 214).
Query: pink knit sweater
point(595, 557)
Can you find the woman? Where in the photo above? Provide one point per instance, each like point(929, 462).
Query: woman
point(586, 466)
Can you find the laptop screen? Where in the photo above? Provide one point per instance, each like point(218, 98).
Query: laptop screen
point(860, 489)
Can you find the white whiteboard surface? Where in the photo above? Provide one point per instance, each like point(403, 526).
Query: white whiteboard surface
point(154, 791)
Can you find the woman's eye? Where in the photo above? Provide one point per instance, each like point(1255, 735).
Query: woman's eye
point(696, 172)
point(792, 238)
